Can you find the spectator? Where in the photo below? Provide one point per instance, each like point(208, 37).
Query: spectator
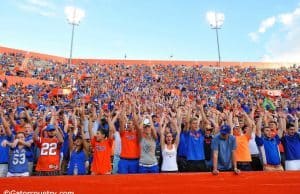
point(243, 136)
point(268, 146)
point(18, 162)
point(195, 146)
point(224, 151)
point(291, 143)
point(5, 136)
point(130, 149)
point(49, 159)
point(169, 146)
point(78, 164)
point(148, 162)
point(102, 148)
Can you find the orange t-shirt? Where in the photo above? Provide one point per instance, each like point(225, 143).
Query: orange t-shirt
point(242, 149)
point(101, 157)
point(130, 144)
point(49, 154)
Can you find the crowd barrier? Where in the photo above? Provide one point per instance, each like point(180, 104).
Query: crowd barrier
point(264, 65)
point(246, 183)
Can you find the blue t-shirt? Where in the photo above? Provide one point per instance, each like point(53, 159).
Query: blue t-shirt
point(270, 149)
point(18, 163)
point(182, 146)
point(4, 151)
point(195, 145)
point(291, 146)
point(224, 148)
point(77, 159)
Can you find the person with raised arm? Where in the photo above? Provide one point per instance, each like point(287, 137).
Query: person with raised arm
point(130, 149)
point(148, 162)
point(268, 146)
point(79, 151)
point(5, 135)
point(102, 147)
point(50, 144)
point(18, 162)
point(169, 145)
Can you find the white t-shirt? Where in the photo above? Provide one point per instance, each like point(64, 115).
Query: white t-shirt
point(252, 145)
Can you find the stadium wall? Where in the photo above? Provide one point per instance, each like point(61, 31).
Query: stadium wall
point(246, 183)
point(263, 65)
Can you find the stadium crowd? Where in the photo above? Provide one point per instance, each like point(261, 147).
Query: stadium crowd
point(120, 119)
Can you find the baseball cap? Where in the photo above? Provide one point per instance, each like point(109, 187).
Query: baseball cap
point(146, 122)
point(50, 127)
point(225, 129)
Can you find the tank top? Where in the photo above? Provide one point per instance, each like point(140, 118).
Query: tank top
point(148, 152)
point(169, 162)
point(77, 159)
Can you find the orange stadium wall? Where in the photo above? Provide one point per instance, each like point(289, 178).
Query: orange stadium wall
point(246, 182)
point(33, 54)
point(263, 65)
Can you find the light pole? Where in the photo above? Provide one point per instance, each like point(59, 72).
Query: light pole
point(216, 24)
point(72, 40)
point(74, 15)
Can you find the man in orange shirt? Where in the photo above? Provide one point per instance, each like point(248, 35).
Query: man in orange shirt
point(49, 160)
point(243, 156)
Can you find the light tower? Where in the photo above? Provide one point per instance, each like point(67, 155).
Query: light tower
point(74, 16)
point(216, 21)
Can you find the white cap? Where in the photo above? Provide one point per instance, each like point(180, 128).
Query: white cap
point(146, 122)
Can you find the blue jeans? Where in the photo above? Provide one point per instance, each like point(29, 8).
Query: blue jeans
point(115, 164)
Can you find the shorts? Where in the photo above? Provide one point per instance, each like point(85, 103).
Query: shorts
point(256, 164)
point(273, 167)
point(3, 170)
point(244, 166)
point(292, 165)
point(196, 166)
point(128, 166)
point(48, 173)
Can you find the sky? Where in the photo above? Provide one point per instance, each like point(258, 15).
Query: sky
point(251, 30)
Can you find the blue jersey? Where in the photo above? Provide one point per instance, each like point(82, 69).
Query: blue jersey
point(65, 146)
point(291, 146)
point(18, 163)
point(4, 151)
point(195, 145)
point(29, 150)
point(182, 146)
point(79, 159)
point(270, 149)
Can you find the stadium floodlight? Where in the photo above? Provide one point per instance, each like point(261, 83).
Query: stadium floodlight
point(74, 16)
point(216, 21)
